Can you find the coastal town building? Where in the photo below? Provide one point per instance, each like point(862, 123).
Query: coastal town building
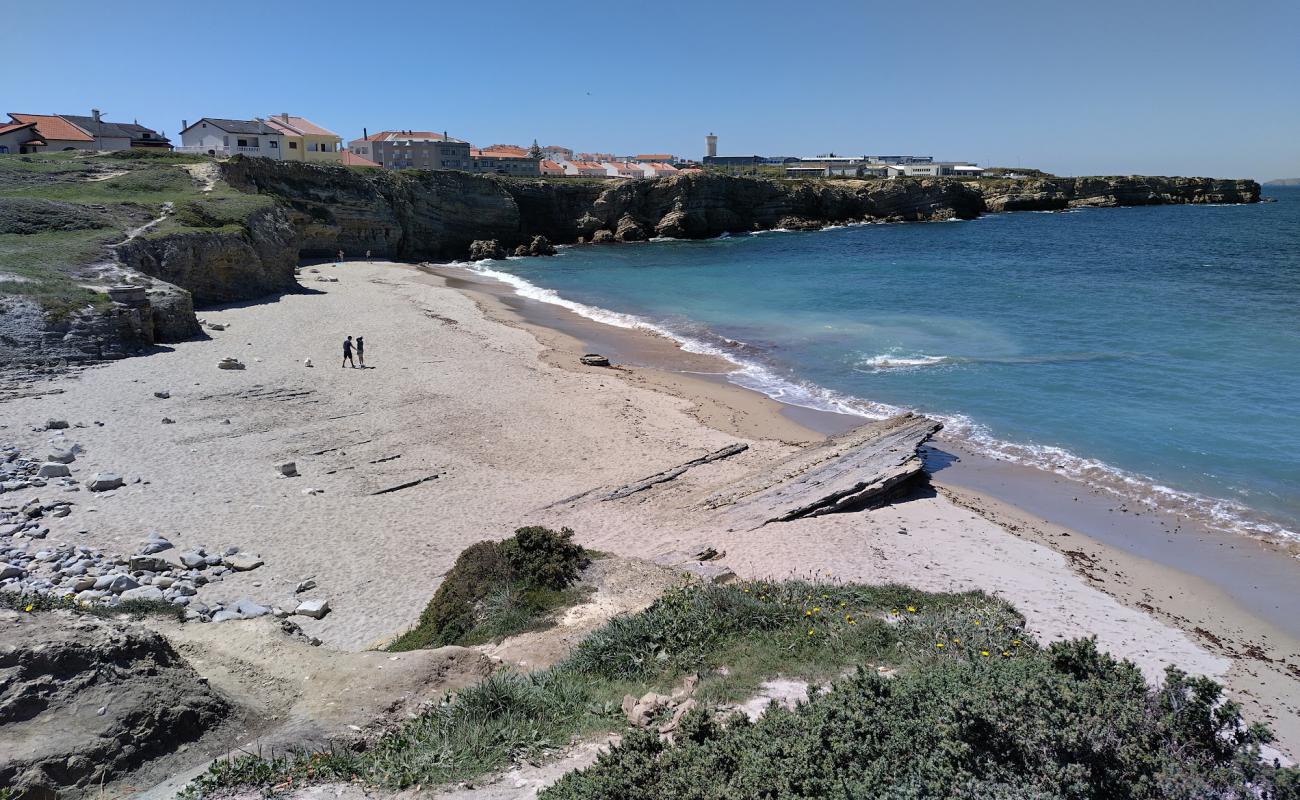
point(832, 166)
point(550, 169)
point(304, 140)
point(504, 160)
point(658, 170)
point(216, 136)
point(34, 133)
point(557, 153)
point(584, 169)
point(407, 149)
point(623, 169)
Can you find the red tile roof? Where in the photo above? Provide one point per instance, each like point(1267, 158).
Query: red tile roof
point(655, 157)
point(52, 127)
point(14, 126)
point(497, 153)
point(351, 159)
point(551, 166)
point(388, 136)
point(298, 126)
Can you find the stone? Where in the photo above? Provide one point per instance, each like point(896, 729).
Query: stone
point(194, 560)
point(120, 583)
point(142, 593)
point(168, 421)
point(594, 360)
point(104, 481)
point(216, 326)
point(148, 564)
point(61, 455)
point(162, 394)
point(602, 236)
point(315, 609)
point(247, 609)
point(56, 424)
point(288, 469)
point(682, 710)
point(242, 562)
point(709, 572)
point(230, 363)
point(11, 571)
point(54, 469)
point(154, 544)
point(306, 362)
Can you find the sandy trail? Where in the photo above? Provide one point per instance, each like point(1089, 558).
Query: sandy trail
point(481, 405)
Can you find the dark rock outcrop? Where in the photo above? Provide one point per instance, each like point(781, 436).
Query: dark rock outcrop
point(30, 336)
point(481, 249)
point(83, 700)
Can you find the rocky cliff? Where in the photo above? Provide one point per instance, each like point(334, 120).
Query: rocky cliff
point(442, 215)
point(222, 265)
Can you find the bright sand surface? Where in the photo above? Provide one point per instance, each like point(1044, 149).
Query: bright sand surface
point(495, 405)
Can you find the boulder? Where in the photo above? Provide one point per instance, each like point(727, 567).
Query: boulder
point(54, 469)
point(230, 363)
point(194, 560)
point(56, 424)
point(481, 249)
point(602, 236)
point(288, 469)
point(594, 360)
point(61, 455)
point(104, 481)
point(541, 246)
point(313, 608)
point(242, 562)
point(142, 593)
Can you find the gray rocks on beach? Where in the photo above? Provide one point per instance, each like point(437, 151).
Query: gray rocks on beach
point(105, 481)
point(316, 609)
point(230, 363)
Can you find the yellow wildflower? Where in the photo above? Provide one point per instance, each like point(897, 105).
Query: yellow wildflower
point(956, 641)
point(29, 607)
point(816, 609)
point(938, 644)
point(807, 613)
point(911, 609)
point(810, 631)
point(977, 622)
point(984, 653)
point(1006, 653)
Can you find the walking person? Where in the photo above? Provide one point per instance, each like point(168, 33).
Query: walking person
point(347, 353)
point(339, 260)
point(361, 352)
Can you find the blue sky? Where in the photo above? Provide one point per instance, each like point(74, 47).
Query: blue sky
point(1097, 87)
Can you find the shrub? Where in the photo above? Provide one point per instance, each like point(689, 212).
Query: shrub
point(497, 589)
point(1069, 722)
point(543, 558)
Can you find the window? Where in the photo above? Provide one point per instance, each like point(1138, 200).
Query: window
point(241, 142)
point(312, 147)
point(275, 145)
point(293, 145)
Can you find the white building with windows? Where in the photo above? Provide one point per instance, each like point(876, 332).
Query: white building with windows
point(228, 137)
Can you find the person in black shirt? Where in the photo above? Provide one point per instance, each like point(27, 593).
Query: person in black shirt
point(347, 353)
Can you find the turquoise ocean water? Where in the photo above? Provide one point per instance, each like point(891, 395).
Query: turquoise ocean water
point(1154, 352)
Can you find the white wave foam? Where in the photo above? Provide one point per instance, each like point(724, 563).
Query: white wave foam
point(1223, 514)
point(890, 361)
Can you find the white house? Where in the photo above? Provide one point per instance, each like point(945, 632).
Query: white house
point(226, 137)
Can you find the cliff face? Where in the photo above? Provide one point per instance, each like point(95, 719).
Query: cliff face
point(1052, 194)
point(222, 266)
point(440, 215)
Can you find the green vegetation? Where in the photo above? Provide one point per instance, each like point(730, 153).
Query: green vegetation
point(975, 709)
point(498, 589)
point(59, 212)
point(40, 602)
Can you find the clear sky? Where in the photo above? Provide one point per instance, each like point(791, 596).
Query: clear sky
point(1088, 87)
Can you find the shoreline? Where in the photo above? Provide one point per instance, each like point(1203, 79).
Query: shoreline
point(470, 384)
point(1232, 594)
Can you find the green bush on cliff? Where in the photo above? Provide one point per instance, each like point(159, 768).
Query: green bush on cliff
point(1066, 722)
point(497, 589)
point(970, 706)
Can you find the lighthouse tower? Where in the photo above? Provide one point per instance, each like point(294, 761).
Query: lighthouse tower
point(711, 145)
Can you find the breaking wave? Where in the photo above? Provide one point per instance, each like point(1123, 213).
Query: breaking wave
point(753, 371)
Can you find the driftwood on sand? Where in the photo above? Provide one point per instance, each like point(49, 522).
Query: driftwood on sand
point(850, 471)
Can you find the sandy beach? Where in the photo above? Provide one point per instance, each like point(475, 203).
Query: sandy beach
point(478, 395)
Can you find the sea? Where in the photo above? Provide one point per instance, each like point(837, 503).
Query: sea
point(1151, 352)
